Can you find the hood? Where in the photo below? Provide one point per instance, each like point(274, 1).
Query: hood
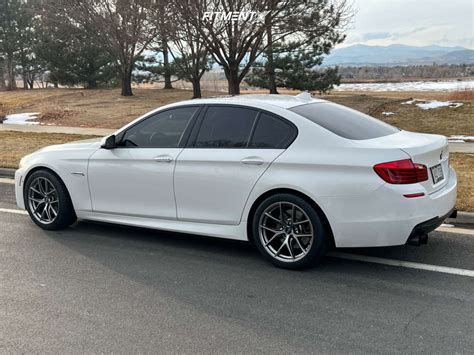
point(83, 144)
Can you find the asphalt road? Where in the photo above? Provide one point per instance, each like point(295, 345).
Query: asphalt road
point(99, 288)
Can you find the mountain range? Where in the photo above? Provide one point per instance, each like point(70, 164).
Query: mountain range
point(398, 54)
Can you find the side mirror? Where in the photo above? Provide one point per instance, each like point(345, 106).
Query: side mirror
point(109, 142)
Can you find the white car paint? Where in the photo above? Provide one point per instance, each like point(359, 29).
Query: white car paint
point(120, 181)
point(212, 191)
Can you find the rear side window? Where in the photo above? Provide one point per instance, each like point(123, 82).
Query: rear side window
point(272, 132)
point(226, 127)
point(345, 122)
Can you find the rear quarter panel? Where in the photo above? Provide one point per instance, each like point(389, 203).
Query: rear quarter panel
point(326, 167)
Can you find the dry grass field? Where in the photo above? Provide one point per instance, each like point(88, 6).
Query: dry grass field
point(103, 108)
point(107, 109)
point(444, 120)
point(464, 166)
point(15, 145)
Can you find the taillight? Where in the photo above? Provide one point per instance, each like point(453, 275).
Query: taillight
point(402, 172)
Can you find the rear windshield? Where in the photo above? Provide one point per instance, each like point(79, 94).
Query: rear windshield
point(344, 122)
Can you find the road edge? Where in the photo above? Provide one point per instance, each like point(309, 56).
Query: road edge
point(7, 173)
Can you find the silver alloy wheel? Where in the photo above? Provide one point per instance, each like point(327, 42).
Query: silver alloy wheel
point(286, 231)
point(43, 200)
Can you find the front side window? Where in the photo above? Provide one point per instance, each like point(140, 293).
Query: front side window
point(345, 122)
point(162, 130)
point(226, 127)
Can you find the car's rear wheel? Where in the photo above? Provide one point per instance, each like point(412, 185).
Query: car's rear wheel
point(289, 232)
point(47, 201)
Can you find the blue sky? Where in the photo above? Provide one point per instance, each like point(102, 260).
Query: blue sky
point(413, 22)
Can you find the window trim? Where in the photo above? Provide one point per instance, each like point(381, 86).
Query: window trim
point(191, 143)
point(184, 137)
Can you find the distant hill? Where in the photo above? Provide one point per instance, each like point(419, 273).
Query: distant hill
point(398, 54)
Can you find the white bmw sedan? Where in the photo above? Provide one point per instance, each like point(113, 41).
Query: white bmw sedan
point(295, 175)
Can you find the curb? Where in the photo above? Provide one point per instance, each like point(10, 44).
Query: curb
point(462, 218)
point(7, 173)
point(99, 132)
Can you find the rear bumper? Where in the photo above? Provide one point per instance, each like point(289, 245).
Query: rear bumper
point(386, 217)
point(419, 235)
point(430, 225)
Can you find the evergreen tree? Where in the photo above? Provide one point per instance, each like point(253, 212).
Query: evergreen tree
point(71, 58)
point(296, 70)
point(11, 11)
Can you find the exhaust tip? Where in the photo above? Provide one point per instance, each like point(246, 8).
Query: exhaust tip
point(414, 240)
point(424, 239)
point(418, 239)
point(454, 214)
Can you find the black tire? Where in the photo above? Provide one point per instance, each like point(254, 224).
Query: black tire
point(65, 210)
point(316, 249)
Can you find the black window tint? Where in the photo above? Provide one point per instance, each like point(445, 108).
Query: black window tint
point(163, 130)
point(272, 132)
point(225, 127)
point(345, 122)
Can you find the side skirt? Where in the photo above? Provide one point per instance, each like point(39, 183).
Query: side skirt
point(238, 232)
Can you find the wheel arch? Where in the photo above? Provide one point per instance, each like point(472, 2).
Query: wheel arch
point(305, 197)
point(51, 171)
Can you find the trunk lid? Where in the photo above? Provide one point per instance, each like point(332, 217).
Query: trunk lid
point(427, 149)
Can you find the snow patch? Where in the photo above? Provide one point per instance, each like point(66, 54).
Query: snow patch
point(387, 113)
point(426, 105)
point(447, 85)
point(437, 104)
point(22, 118)
point(409, 102)
point(461, 139)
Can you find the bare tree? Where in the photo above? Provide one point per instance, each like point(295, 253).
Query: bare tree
point(189, 53)
point(237, 39)
point(234, 45)
point(164, 22)
point(123, 27)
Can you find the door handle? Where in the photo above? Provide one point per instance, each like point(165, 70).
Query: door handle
point(163, 159)
point(252, 161)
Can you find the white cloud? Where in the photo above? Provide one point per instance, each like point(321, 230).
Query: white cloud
point(420, 22)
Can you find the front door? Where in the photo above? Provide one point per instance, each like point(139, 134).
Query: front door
point(136, 178)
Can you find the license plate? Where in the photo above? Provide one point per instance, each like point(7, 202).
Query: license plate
point(437, 173)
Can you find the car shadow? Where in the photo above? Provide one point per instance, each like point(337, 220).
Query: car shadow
point(222, 277)
point(179, 251)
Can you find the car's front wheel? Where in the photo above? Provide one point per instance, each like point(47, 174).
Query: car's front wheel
point(47, 201)
point(289, 232)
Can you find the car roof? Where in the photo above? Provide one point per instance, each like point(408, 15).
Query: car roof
point(283, 101)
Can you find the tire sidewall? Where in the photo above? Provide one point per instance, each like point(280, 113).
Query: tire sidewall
point(320, 242)
point(66, 214)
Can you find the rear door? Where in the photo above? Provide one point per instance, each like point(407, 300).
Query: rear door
point(229, 150)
